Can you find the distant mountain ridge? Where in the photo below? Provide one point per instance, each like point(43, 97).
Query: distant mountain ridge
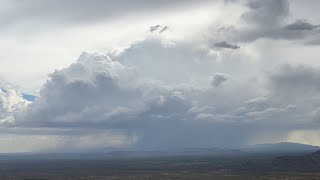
point(283, 148)
point(276, 150)
point(289, 147)
point(180, 152)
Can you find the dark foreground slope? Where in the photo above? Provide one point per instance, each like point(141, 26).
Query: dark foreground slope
point(308, 162)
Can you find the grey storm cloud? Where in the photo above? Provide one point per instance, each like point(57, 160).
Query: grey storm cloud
point(293, 96)
point(226, 45)
point(300, 25)
point(267, 14)
point(296, 80)
point(218, 79)
point(268, 19)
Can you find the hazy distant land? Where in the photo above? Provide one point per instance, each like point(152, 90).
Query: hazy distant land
point(192, 163)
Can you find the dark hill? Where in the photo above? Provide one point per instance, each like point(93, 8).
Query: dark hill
point(310, 162)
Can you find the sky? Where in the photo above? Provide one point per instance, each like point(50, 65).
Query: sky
point(81, 76)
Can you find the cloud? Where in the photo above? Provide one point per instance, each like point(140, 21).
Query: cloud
point(153, 28)
point(268, 20)
point(218, 79)
point(224, 44)
point(296, 79)
point(155, 93)
point(293, 96)
point(141, 94)
point(300, 25)
point(101, 91)
point(165, 28)
point(266, 14)
point(159, 28)
point(123, 93)
point(11, 101)
point(128, 96)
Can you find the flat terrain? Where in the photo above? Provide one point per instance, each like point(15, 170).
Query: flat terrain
point(171, 167)
point(162, 176)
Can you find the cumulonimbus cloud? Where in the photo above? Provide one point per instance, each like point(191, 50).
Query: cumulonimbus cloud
point(100, 93)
